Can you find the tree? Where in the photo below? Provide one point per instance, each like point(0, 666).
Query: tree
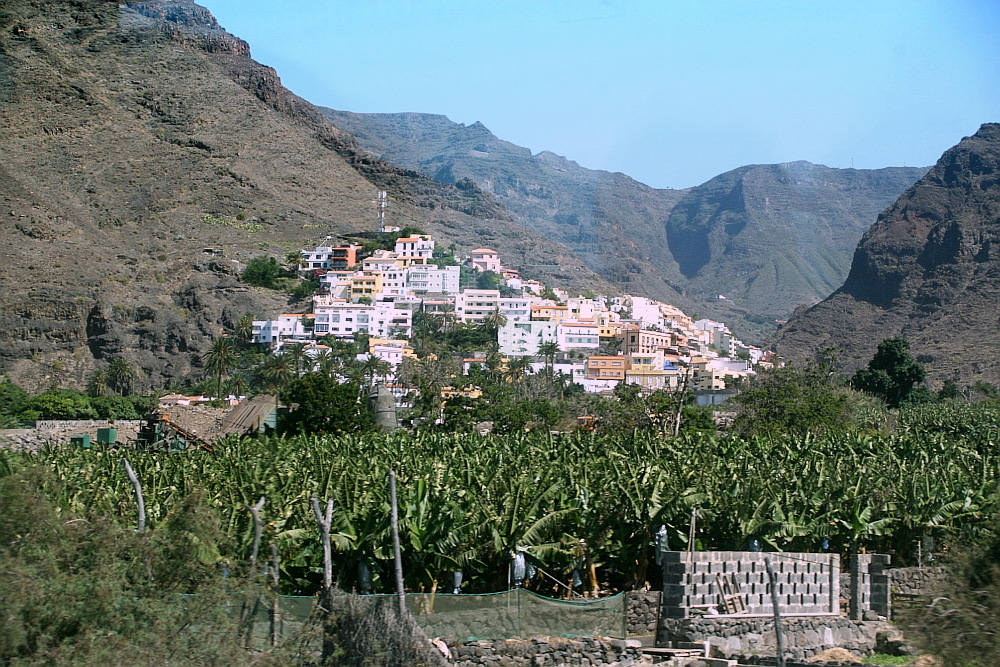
point(262, 271)
point(277, 371)
point(219, 360)
point(549, 350)
point(493, 322)
point(892, 374)
point(792, 399)
point(98, 384)
point(120, 375)
point(244, 328)
point(324, 405)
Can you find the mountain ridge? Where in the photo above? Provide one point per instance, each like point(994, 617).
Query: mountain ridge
point(644, 239)
point(927, 270)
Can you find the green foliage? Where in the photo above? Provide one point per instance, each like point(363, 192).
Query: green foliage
point(489, 280)
point(321, 404)
point(59, 404)
point(262, 271)
point(12, 402)
point(80, 589)
point(122, 407)
point(795, 400)
point(215, 221)
point(892, 374)
point(962, 625)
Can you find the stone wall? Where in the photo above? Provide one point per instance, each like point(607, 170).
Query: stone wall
point(915, 580)
point(642, 610)
point(540, 651)
point(804, 636)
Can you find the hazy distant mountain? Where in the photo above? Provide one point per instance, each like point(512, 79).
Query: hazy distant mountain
point(768, 237)
point(121, 128)
point(775, 236)
point(928, 270)
point(614, 223)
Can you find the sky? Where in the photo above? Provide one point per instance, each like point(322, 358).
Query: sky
point(671, 93)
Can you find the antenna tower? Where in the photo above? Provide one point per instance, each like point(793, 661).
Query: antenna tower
point(381, 210)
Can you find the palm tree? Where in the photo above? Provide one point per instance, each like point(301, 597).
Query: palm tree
point(517, 368)
point(549, 350)
point(277, 372)
point(493, 322)
point(239, 385)
point(244, 328)
point(219, 360)
point(98, 384)
point(120, 376)
point(375, 368)
point(300, 359)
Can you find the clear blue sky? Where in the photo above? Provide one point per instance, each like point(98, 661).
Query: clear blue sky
point(670, 93)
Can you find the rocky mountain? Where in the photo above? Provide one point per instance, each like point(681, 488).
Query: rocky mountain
point(772, 237)
point(927, 270)
point(146, 157)
point(612, 222)
point(767, 237)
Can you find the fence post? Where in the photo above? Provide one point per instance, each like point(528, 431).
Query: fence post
point(778, 637)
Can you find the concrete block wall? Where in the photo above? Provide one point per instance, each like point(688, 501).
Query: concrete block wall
point(806, 583)
point(870, 585)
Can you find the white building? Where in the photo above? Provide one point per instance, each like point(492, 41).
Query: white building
point(292, 326)
point(424, 278)
point(416, 249)
point(380, 320)
point(473, 305)
point(519, 339)
point(485, 259)
point(575, 335)
point(518, 308)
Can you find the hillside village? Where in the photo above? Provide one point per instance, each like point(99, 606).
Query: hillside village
point(598, 341)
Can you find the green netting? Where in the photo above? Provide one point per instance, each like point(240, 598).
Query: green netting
point(516, 613)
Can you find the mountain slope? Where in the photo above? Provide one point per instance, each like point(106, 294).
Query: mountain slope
point(121, 129)
point(780, 235)
point(927, 270)
point(612, 222)
point(768, 237)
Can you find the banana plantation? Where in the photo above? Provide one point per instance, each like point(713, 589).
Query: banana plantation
point(581, 507)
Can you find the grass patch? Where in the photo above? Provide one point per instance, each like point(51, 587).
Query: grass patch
point(886, 659)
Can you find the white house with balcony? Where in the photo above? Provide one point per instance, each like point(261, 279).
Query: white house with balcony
point(342, 319)
point(576, 335)
point(485, 259)
point(473, 305)
point(428, 278)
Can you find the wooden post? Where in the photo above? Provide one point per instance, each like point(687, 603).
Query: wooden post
point(778, 637)
point(138, 495)
point(396, 553)
point(324, 529)
point(275, 597)
point(329, 646)
point(258, 527)
point(691, 531)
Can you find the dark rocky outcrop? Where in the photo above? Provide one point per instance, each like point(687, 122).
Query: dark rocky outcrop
point(928, 270)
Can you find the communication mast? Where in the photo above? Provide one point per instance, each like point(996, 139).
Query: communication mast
point(381, 210)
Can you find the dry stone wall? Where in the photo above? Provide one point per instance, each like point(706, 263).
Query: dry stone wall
point(543, 651)
point(804, 636)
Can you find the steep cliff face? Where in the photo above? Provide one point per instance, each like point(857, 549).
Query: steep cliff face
point(777, 236)
point(121, 128)
point(927, 270)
